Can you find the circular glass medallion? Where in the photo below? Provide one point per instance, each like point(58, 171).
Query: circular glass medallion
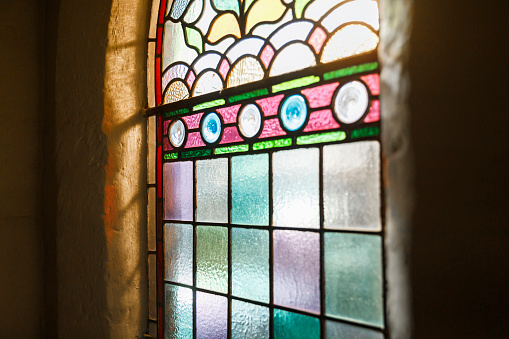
point(177, 133)
point(294, 112)
point(211, 128)
point(351, 102)
point(250, 120)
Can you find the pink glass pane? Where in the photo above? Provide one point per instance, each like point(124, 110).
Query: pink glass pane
point(320, 96)
point(321, 120)
point(229, 114)
point(224, 68)
point(230, 134)
point(167, 145)
point(194, 140)
point(211, 316)
point(270, 105)
point(178, 191)
point(190, 79)
point(374, 112)
point(193, 121)
point(317, 38)
point(373, 82)
point(165, 126)
point(271, 128)
point(267, 54)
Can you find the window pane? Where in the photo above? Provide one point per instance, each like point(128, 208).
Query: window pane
point(178, 191)
point(178, 253)
point(211, 316)
point(339, 330)
point(249, 321)
point(179, 312)
point(289, 325)
point(212, 258)
point(212, 190)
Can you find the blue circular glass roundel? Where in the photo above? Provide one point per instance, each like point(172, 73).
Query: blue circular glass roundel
point(294, 112)
point(211, 128)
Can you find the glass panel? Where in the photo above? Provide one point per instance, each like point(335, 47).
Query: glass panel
point(297, 270)
point(250, 264)
point(151, 219)
point(175, 92)
point(209, 60)
point(358, 10)
point(178, 191)
point(178, 312)
point(249, 321)
point(193, 11)
point(265, 30)
point(227, 5)
point(178, 8)
point(270, 105)
point(152, 287)
point(208, 82)
point(271, 128)
point(289, 325)
point(264, 11)
point(194, 140)
point(221, 46)
point(193, 121)
point(151, 156)
point(175, 48)
point(153, 18)
point(353, 277)
point(286, 62)
point(319, 8)
point(340, 330)
point(349, 41)
point(351, 186)
point(248, 46)
point(321, 120)
point(212, 190)
point(230, 134)
point(373, 82)
point(178, 253)
point(151, 91)
point(250, 190)
point(225, 24)
point(295, 188)
point(212, 258)
point(208, 14)
point(374, 112)
point(229, 114)
point(294, 31)
point(320, 96)
point(211, 316)
point(245, 71)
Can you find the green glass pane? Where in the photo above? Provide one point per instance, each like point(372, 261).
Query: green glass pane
point(212, 258)
point(177, 112)
point(248, 95)
point(169, 156)
point(299, 7)
point(336, 330)
point(321, 138)
point(198, 153)
point(194, 39)
point(178, 312)
point(212, 190)
point(365, 132)
point(209, 104)
point(301, 82)
point(350, 70)
point(353, 277)
point(227, 5)
point(289, 325)
point(250, 190)
point(249, 321)
point(272, 143)
point(231, 149)
point(250, 264)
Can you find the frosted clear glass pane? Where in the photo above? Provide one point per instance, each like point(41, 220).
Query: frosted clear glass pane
point(297, 270)
point(264, 30)
point(175, 48)
point(245, 71)
point(358, 10)
point(193, 11)
point(207, 83)
point(212, 190)
point(178, 190)
point(249, 321)
point(151, 145)
point(212, 258)
point(339, 330)
point(211, 316)
point(207, 15)
point(250, 189)
point(152, 284)
point(178, 312)
point(249, 46)
point(353, 277)
point(319, 8)
point(250, 264)
point(351, 186)
point(286, 62)
point(295, 188)
point(210, 60)
point(349, 41)
point(294, 31)
point(289, 325)
point(178, 253)
point(221, 46)
point(151, 219)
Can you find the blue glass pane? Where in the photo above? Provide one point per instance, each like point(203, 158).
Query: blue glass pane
point(178, 312)
point(249, 321)
point(289, 325)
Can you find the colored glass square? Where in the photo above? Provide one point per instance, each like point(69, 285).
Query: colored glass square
point(178, 312)
point(212, 258)
point(212, 190)
point(178, 191)
point(289, 325)
point(249, 320)
point(178, 253)
point(211, 316)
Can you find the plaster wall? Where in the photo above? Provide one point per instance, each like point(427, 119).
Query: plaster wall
point(21, 252)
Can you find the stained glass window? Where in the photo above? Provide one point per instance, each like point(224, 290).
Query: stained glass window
point(265, 191)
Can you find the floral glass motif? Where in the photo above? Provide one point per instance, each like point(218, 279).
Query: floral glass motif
point(267, 176)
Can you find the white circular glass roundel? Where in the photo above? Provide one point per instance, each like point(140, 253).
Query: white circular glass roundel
point(294, 112)
point(351, 102)
point(177, 133)
point(211, 128)
point(250, 120)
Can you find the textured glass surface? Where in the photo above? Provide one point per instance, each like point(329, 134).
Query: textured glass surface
point(321, 138)
point(265, 30)
point(250, 264)
point(250, 120)
point(178, 8)
point(231, 149)
point(286, 62)
point(294, 112)
point(178, 191)
point(178, 312)
point(152, 287)
point(208, 82)
point(353, 277)
point(230, 134)
point(373, 82)
point(340, 330)
point(321, 120)
point(264, 11)
point(365, 132)
point(212, 190)
point(211, 316)
point(374, 112)
point(297, 270)
point(151, 219)
point(349, 41)
point(350, 70)
point(209, 104)
point(245, 46)
point(252, 94)
point(177, 91)
point(178, 253)
point(175, 48)
point(249, 321)
point(357, 10)
point(320, 96)
point(250, 189)
point(295, 188)
point(209, 60)
point(199, 153)
point(224, 5)
point(225, 24)
point(194, 140)
point(271, 128)
point(229, 114)
point(301, 82)
point(247, 70)
point(351, 102)
point(270, 105)
point(193, 121)
point(317, 39)
point(212, 258)
point(296, 30)
point(211, 128)
point(177, 133)
point(351, 186)
point(289, 325)
point(272, 143)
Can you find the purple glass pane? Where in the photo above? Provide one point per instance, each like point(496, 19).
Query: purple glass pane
point(178, 191)
point(211, 316)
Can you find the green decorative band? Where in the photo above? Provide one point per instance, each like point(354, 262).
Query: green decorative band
point(350, 70)
point(231, 149)
point(248, 95)
point(301, 82)
point(198, 153)
point(177, 112)
point(209, 104)
point(272, 143)
point(321, 137)
point(169, 156)
point(365, 132)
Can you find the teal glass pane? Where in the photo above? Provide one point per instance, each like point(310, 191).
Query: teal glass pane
point(211, 316)
point(212, 190)
point(178, 253)
point(178, 312)
point(249, 321)
point(335, 330)
point(212, 258)
point(295, 188)
point(250, 264)
point(250, 189)
point(353, 277)
point(289, 325)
